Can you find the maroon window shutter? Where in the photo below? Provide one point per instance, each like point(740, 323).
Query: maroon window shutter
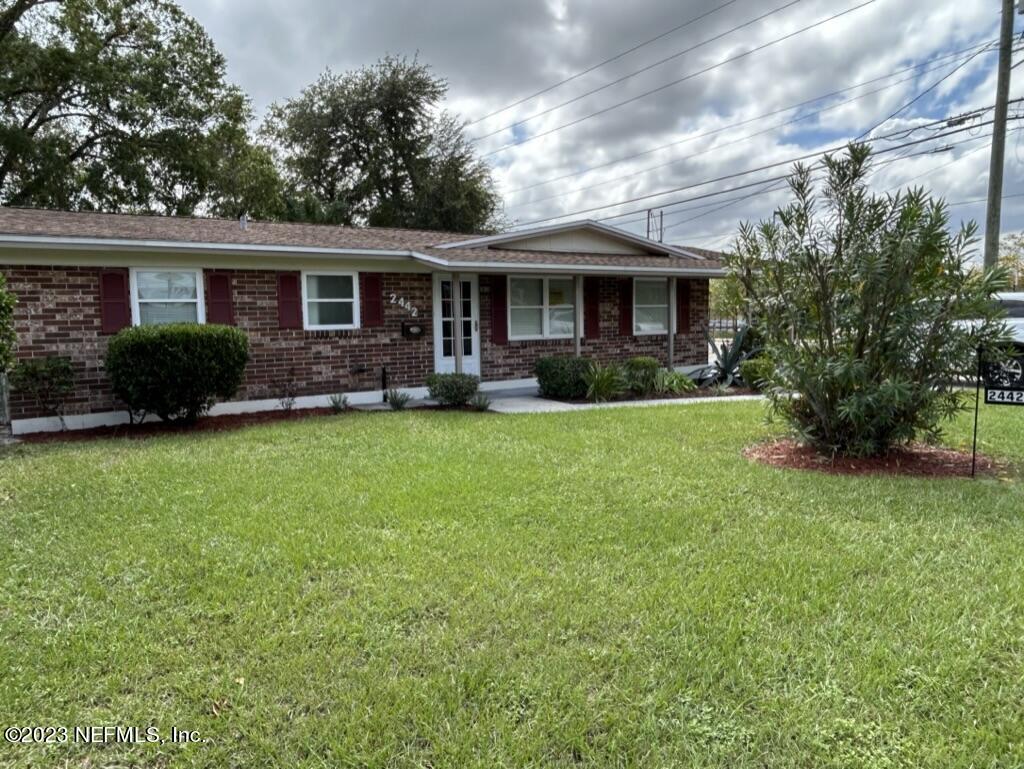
point(626, 307)
point(371, 298)
point(115, 306)
point(592, 308)
point(682, 306)
point(289, 300)
point(219, 304)
point(499, 309)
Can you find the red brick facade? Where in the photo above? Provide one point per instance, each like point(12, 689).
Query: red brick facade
point(516, 359)
point(58, 313)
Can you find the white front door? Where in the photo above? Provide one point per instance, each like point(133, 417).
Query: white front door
point(444, 325)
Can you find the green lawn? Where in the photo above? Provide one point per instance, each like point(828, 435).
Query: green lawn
point(603, 588)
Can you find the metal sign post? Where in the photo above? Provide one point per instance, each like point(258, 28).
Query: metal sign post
point(1004, 386)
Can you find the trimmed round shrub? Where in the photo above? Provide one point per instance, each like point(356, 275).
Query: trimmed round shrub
point(563, 378)
point(640, 373)
point(176, 371)
point(452, 389)
point(755, 372)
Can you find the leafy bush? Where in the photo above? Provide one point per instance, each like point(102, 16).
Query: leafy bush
point(672, 383)
point(562, 378)
point(397, 399)
point(756, 372)
point(8, 339)
point(640, 373)
point(870, 308)
point(338, 403)
point(176, 371)
point(604, 383)
point(480, 402)
point(452, 389)
point(725, 368)
point(48, 381)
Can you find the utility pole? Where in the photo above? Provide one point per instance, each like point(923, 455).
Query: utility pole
point(995, 171)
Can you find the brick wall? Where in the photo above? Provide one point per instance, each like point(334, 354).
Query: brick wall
point(516, 359)
point(58, 313)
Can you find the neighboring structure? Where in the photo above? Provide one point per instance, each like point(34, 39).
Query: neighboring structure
point(339, 309)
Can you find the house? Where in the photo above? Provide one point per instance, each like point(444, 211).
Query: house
point(332, 309)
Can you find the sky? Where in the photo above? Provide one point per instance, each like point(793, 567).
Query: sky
point(551, 154)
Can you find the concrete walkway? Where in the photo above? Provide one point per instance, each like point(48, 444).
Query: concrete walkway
point(527, 401)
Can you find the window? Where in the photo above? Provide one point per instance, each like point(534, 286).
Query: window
point(167, 296)
point(330, 300)
point(650, 306)
point(540, 308)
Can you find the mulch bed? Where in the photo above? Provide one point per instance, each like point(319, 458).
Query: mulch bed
point(699, 393)
point(150, 429)
point(916, 460)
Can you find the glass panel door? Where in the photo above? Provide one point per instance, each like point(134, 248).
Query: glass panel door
point(444, 331)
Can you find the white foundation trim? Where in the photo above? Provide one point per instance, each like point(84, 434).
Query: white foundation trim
point(361, 398)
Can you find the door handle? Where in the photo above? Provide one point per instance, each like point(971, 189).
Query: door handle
point(476, 325)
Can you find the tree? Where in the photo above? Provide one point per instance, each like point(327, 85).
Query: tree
point(122, 105)
point(370, 147)
point(1011, 257)
point(868, 306)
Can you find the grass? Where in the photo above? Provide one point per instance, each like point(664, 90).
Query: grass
point(604, 588)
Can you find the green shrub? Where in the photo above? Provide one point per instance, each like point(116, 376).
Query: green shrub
point(480, 402)
point(452, 389)
point(8, 338)
point(755, 372)
point(48, 381)
point(672, 383)
point(338, 403)
point(176, 371)
point(640, 373)
point(397, 399)
point(604, 383)
point(871, 307)
point(562, 378)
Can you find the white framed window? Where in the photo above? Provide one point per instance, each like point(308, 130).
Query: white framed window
point(166, 295)
point(650, 306)
point(540, 308)
point(330, 300)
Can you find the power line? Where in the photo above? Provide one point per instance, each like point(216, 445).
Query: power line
point(925, 92)
point(736, 175)
point(983, 200)
point(715, 147)
point(600, 64)
point(690, 76)
point(927, 66)
point(633, 74)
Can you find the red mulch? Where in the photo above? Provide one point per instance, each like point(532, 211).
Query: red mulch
point(150, 429)
point(917, 460)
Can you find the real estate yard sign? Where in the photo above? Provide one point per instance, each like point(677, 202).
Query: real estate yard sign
point(1004, 386)
point(1004, 382)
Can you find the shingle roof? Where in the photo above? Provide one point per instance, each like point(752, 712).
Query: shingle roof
point(43, 223)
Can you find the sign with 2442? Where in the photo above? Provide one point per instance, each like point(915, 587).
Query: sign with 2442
point(1004, 382)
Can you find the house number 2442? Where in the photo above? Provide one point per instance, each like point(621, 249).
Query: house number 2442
point(404, 303)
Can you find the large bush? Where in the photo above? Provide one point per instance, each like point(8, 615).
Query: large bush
point(452, 389)
point(640, 373)
point(8, 338)
point(176, 371)
point(869, 307)
point(563, 378)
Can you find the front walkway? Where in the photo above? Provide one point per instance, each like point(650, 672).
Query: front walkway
point(525, 400)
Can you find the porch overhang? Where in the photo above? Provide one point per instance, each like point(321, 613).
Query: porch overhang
point(555, 267)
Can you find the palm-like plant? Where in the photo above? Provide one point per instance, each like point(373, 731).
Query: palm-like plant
point(724, 370)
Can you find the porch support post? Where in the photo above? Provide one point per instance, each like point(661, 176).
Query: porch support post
point(577, 308)
point(457, 320)
point(671, 322)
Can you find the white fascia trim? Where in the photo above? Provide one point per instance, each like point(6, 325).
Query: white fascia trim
point(359, 398)
point(586, 224)
point(175, 246)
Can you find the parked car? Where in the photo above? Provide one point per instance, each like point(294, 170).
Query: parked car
point(1013, 303)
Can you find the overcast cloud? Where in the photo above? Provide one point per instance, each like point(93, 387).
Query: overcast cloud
point(494, 53)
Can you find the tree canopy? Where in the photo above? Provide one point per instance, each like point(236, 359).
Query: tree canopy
point(373, 147)
point(122, 105)
point(869, 307)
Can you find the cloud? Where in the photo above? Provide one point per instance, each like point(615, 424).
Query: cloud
point(493, 54)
